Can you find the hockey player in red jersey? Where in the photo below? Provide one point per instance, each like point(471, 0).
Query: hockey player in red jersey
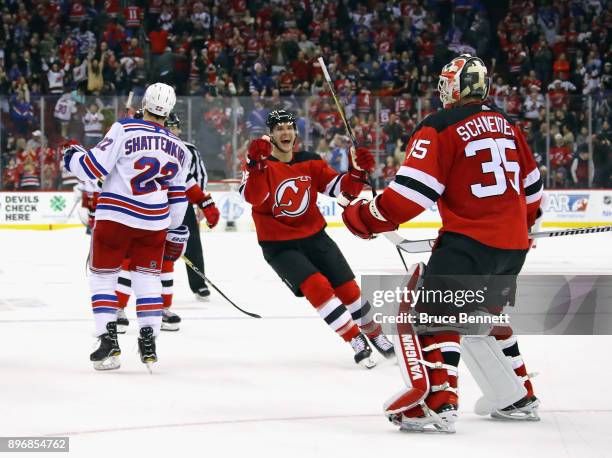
point(475, 163)
point(282, 186)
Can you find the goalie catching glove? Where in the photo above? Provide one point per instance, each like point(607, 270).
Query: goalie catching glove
point(176, 243)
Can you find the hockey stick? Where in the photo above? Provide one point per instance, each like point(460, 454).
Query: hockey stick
point(128, 103)
point(205, 278)
point(423, 246)
point(347, 126)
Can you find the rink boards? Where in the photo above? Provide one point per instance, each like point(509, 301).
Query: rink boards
point(57, 210)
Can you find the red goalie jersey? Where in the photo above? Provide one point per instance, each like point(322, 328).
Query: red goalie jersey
point(475, 163)
point(284, 195)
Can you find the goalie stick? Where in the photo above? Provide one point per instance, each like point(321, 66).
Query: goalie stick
point(347, 126)
point(205, 278)
point(425, 245)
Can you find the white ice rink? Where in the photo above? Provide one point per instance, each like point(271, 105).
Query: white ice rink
point(228, 385)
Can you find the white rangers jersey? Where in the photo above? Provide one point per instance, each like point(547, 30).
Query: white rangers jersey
point(143, 169)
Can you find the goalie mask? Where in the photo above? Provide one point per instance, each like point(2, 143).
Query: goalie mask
point(465, 76)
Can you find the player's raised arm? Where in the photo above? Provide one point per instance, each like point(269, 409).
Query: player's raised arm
point(345, 186)
point(254, 187)
point(417, 186)
point(95, 164)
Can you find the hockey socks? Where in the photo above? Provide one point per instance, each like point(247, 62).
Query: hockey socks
point(509, 345)
point(320, 294)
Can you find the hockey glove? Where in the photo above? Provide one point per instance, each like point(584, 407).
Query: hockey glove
point(176, 243)
point(364, 220)
point(259, 150)
point(362, 159)
point(210, 210)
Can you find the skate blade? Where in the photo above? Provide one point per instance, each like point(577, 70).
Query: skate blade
point(435, 424)
point(528, 413)
point(149, 368)
point(122, 328)
point(368, 363)
point(202, 299)
point(107, 364)
point(169, 326)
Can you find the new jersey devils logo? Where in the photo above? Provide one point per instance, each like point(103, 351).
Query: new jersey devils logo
point(292, 197)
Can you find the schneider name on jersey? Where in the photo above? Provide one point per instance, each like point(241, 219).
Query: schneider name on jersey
point(148, 189)
point(475, 163)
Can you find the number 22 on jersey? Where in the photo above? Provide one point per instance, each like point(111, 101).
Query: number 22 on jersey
point(148, 180)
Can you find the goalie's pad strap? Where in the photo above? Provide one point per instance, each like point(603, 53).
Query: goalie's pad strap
point(443, 345)
point(492, 371)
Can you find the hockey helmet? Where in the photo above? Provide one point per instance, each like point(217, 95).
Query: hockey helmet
point(172, 121)
point(278, 117)
point(159, 99)
point(464, 76)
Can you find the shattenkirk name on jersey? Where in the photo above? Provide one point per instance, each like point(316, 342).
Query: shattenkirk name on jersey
point(151, 142)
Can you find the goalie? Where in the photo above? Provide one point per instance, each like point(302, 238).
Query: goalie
point(474, 162)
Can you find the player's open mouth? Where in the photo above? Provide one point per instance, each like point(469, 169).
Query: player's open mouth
point(286, 142)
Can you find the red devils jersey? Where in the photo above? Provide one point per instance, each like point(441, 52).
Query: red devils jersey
point(475, 163)
point(284, 195)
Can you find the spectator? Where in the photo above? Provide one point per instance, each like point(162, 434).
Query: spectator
point(95, 79)
point(582, 168)
point(55, 77)
point(92, 126)
point(65, 108)
point(338, 157)
point(22, 112)
point(389, 170)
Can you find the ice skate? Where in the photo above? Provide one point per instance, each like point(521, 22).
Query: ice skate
point(442, 420)
point(362, 352)
point(122, 321)
point(170, 320)
point(524, 410)
point(383, 345)
point(146, 346)
point(106, 357)
point(203, 294)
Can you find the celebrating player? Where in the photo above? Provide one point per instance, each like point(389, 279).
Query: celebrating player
point(282, 187)
point(474, 161)
point(142, 168)
point(196, 184)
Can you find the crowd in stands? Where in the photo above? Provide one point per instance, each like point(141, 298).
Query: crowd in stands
point(62, 62)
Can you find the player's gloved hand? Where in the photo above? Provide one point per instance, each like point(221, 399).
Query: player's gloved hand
point(259, 150)
point(361, 159)
point(176, 243)
point(210, 210)
point(363, 219)
point(68, 150)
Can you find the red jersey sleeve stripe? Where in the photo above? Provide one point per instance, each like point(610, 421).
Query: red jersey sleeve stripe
point(417, 186)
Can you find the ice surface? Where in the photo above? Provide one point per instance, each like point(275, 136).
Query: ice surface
point(228, 385)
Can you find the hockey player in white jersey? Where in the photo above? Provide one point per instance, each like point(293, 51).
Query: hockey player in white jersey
point(142, 169)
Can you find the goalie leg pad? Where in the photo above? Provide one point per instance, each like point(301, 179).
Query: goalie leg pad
point(428, 363)
point(493, 373)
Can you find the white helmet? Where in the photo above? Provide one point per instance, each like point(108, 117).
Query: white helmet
point(159, 99)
